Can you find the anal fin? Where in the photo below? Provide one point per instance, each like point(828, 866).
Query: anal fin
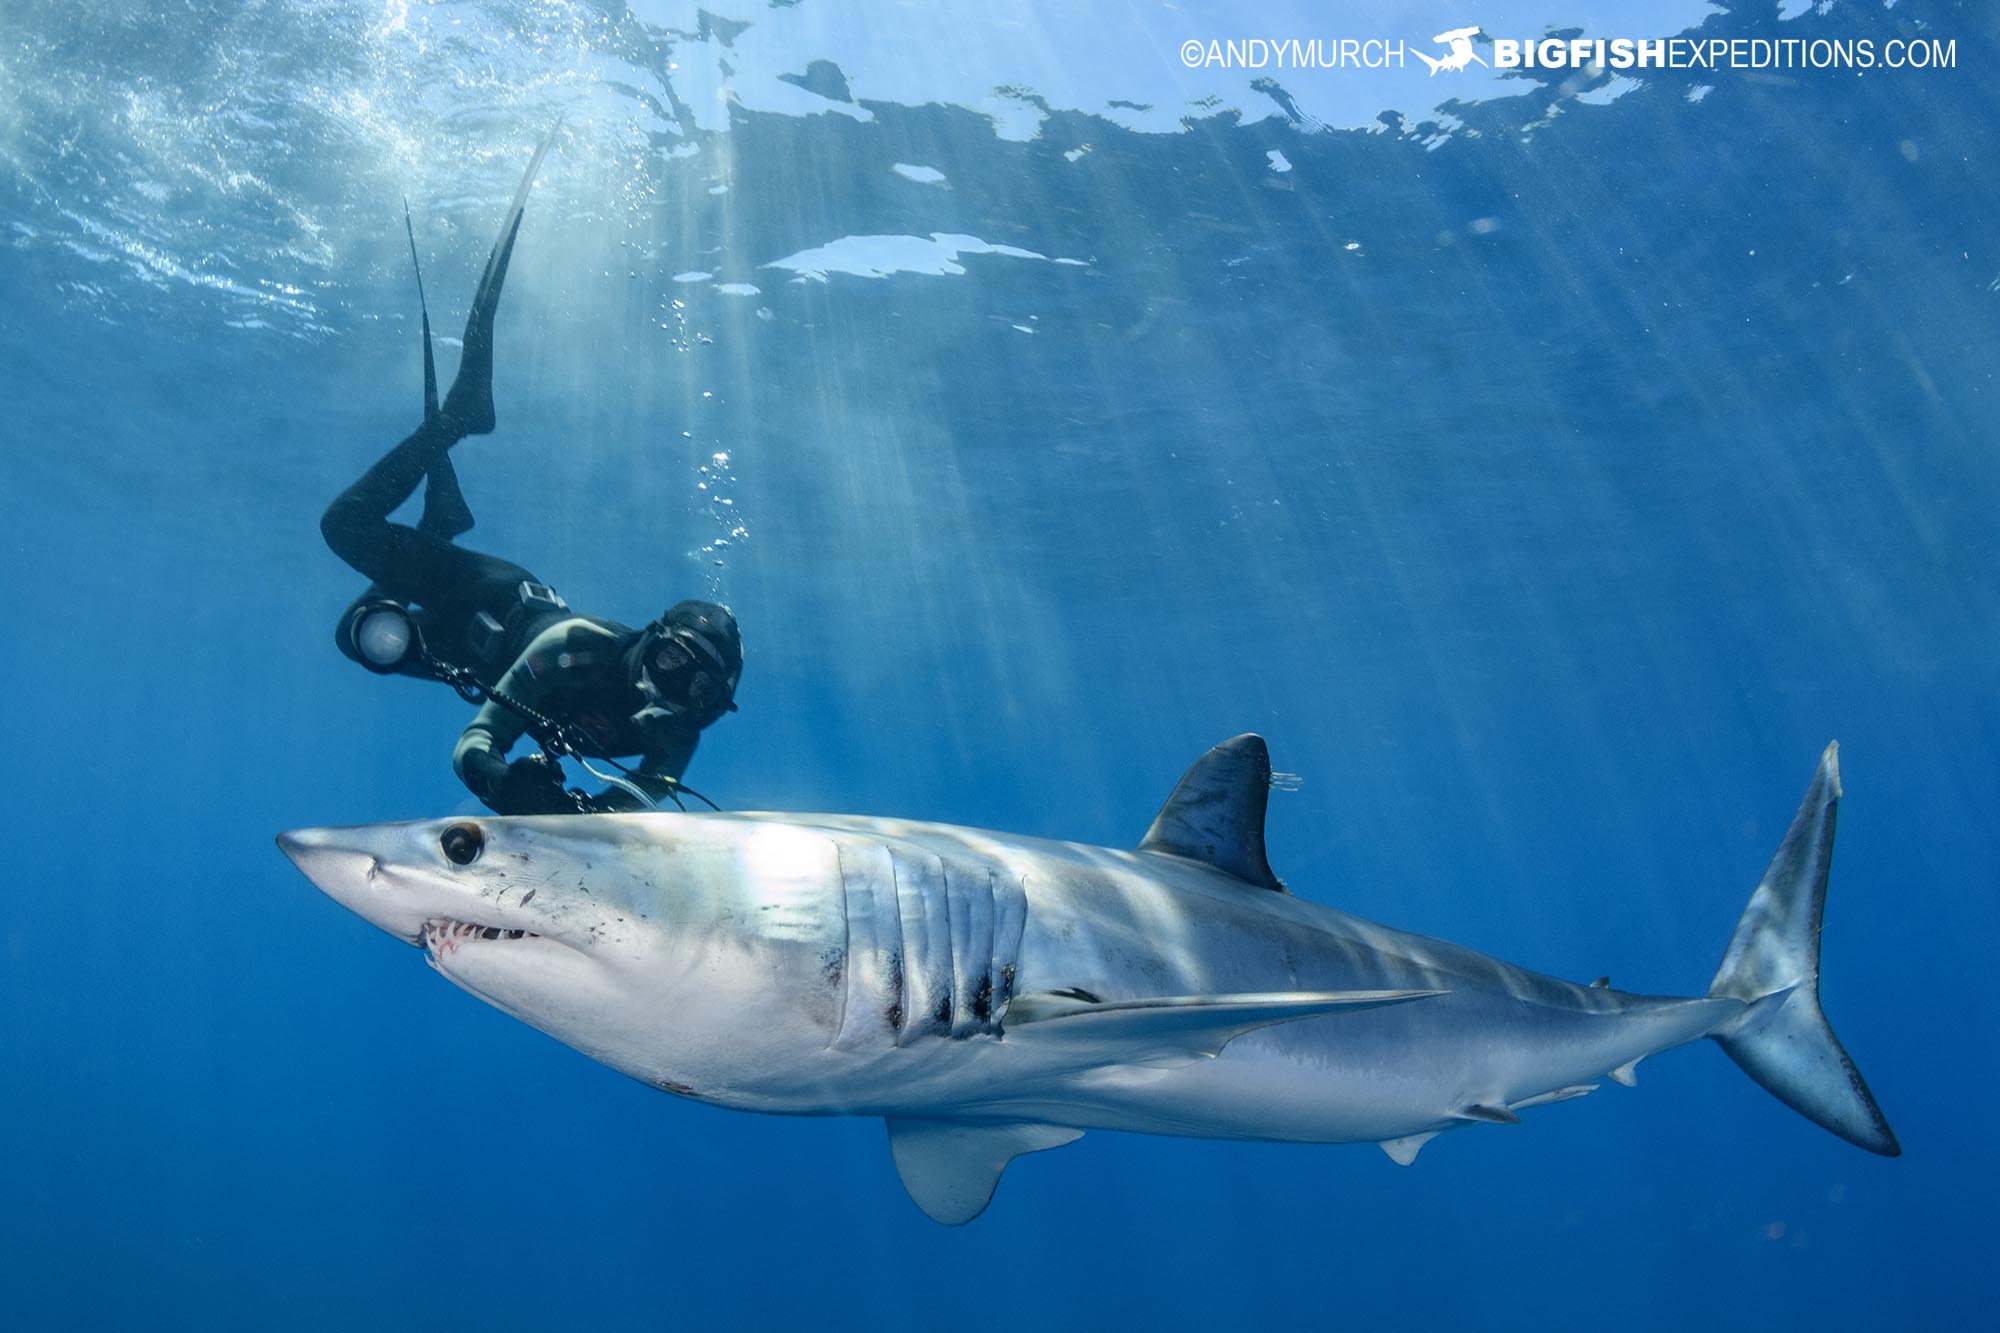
point(1404, 1151)
point(951, 1167)
point(1627, 1073)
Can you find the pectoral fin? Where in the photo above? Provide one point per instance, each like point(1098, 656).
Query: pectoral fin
point(952, 1168)
point(1177, 1029)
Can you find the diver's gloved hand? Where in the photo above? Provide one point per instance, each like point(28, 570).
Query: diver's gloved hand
point(614, 800)
point(531, 786)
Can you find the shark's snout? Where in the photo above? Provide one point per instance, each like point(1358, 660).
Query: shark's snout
point(319, 853)
point(341, 865)
point(444, 882)
point(295, 842)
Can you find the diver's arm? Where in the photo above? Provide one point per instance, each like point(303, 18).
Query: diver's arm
point(661, 768)
point(480, 758)
point(530, 785)
point(527, 786)
point(658, 775)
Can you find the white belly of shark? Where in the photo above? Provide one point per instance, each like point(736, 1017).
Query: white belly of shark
point(991, 995)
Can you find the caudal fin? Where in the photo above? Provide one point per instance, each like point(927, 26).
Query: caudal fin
point(1783, 1040)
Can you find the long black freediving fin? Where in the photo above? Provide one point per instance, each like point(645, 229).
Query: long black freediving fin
point(430, 362)
point(446, 514)
point(470, 399)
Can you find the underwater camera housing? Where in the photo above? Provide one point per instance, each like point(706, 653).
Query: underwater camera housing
point(383, 636)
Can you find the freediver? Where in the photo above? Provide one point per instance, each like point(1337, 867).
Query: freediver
point(436, 610)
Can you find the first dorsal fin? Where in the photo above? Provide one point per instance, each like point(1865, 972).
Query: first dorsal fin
point(1216, 814)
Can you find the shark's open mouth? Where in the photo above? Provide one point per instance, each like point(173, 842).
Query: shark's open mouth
point(443, 936)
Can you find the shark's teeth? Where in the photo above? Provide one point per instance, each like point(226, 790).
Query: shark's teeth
point(443, 936)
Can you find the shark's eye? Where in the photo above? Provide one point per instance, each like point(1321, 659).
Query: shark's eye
point(462, 844)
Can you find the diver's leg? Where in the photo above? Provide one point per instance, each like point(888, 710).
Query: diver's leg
point(443, 587)
point(420, 564)
point(411, 564)
point(470, 400)
point(356, 525)
point(446, 514)
point(404, 564)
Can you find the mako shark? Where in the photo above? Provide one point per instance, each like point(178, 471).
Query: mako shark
point(990, 995)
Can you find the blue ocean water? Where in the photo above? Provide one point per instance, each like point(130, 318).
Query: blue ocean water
point(1548, 477)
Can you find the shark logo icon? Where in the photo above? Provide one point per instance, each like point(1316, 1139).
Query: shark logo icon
point(1459, 56)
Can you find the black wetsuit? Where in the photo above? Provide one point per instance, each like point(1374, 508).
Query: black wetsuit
point(495, 618)
point(444, 585)
point(487, 614)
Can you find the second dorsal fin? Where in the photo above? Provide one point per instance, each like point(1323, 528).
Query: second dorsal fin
point(1216, 814)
